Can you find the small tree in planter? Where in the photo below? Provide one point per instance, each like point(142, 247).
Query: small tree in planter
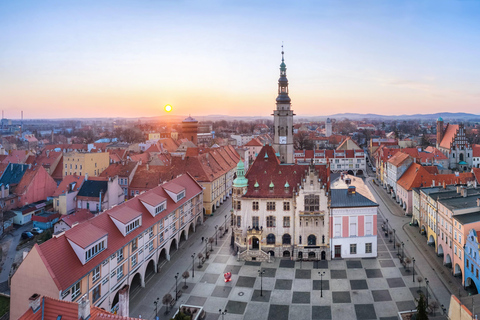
point(419, 280)
point(221, 231)
point(421, 308)
point(407, 263)
point(185, 276)
point(166, 301)
point(200, 257)
point(211, 241)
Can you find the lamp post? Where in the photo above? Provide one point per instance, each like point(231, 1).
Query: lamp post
point(206, 245)
point(444, 310)
point(322, 273)
point(261, 272)
point(176, 287)
point(225, 222)
point(393, 238)
point(413, 269)
point(216, 228)
point(403, 250)
point(386, 227)
point(223, 313)
point(156, 308)
point(193, 265)
point(426, 286)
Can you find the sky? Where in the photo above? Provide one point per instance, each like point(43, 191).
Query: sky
point(65, 59)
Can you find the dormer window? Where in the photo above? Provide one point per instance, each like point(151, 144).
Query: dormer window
point(181, 195)
point(132, 226)
point(93, 251)
point(160, 208)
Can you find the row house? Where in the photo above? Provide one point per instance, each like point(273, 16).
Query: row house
point(396, 166)
point(99, 194)
point(453, 143)
point(82, 163)
point(472, 255)
point(375, 143)
point(280, 210)
point(125, 171)
point(108, 256)
point(64, 197)
point(352, 161)
point(353, 219)
point(49, 160)
point(254, 146)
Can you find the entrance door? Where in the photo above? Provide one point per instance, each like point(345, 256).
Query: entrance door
point(338, 251)
point(255, 243)
point(323, 255)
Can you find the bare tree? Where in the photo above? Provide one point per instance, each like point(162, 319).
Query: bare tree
point(167, 299)
point(200, 259)
point(301, 141)
point(211, 241)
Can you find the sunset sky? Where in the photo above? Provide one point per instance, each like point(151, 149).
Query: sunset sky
point(130, 58)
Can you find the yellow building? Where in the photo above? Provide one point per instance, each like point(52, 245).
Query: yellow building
point(153, 136)
point(81, 163)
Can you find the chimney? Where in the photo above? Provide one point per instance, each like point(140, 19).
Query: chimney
point(351, 190)
point(86, 176)
point(459, 189)
point(34, 302)
point(464, 192)
point(84, 308)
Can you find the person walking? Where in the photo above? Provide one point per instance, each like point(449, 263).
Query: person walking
point(203, 239)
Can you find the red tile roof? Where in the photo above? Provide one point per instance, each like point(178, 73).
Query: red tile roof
point(173, 187)
point(254, 143)
point(47, 160)
point(124, 214)
point(53, 309)
point(16, 156)
point(85, 234)
point(476, 173)
point(62, 262)
point(119, 169)
point(476, 150)
point(78, 216)
point(147, 179)
point(398, 158)
point(153, 199)
point(449, 135)
point(58, 173)
point(415, 176)
point(64, 186)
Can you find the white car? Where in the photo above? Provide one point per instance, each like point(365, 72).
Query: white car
point(374, 169)
point(36, 230)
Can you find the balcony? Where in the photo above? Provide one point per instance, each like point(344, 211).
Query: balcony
point(255, 231)
point(312, 213)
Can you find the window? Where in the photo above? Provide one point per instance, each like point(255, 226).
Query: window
point(271, 238)
point(476, 273)
point(468, 264)
point(255, 221)
point(119, 255)
point(160, 239)
point(150, 246)
point(270, 221)
point(299, 239)
point(96, 293)
point(286, 206)
point(93, 251)
point(353, 226)
point(255, 205)
point(134, 244)
point(338, 227)
point(132, 226)
point(271, 206)
point(368, 225)
point(76, 290)
point(96, 274)
point(353, 248)
point(160, 208)
point(237, 204)
point(120, 272)
point(150, 232)
point(181, 195)
point(286, 222)
point(368, 247)
point(286, 239)
point(312, 240)
point(134, 260)
point(312, 203)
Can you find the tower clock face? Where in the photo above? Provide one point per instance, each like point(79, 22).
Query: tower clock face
point(283, 140)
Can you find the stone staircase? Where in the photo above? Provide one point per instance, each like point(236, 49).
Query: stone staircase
point(254, 255)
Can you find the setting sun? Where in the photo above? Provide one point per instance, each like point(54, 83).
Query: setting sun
point(168, 108)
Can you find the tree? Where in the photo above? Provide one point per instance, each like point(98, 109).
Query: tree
point(419, 280)
point(221, 231)
point(407, 262)
point(301, 141)
point(166, 301)
point(185, 275)
point(200, 257)
point(421, 308)
point(211, 241)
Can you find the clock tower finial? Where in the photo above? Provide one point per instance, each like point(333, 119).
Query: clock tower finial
point(283, 118)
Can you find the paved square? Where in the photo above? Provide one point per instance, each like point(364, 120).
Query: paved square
point(221, 259)
point(341, 297)
point(374, 273)
point(253, 263)
point(338, 274)
point(221, 291)
point(209, 278)
point(395, 282)
point(381, 295)
point(195, 301)
point(265, 297)
point(365, 311)
point(321, 312)
point(236, 307)
point(245, 282)
point(301, 297)
point(358, 284)
point(303, 274)
point(406, 305)
point(386, 263)
point(282, 284)
point(317, 285)
point(269, 272)
point(354, 264)
point(233, 269)
point(278, 312)
point(287, 264)
point(322, 264)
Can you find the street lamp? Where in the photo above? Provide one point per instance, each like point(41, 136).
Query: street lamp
point(386, 227)
point(216, 240)
point(413, 269)
point(444, 310)
point(426, 286)
point(206, 245)
point(393, 238)
point(261, 272)
point(225, 222)
point(176, 287)
point(321, 283)
point(223, 313)
point(193, 265)
point(156, 309)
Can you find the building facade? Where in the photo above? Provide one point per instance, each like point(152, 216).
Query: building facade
point(85, 164)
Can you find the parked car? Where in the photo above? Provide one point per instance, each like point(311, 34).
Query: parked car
point(27, 235)
point(36, 230)
point(374, 169)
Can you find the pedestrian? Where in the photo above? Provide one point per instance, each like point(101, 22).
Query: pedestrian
point(203, 239)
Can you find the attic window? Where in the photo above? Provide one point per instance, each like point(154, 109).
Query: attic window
point(160, 208)
point(181, 195)
point(93, 251)
point(132, 226)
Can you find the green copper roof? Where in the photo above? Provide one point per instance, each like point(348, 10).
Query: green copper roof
point(271, 184)
point(287, 185)
point(240, 181)
point(256, 185)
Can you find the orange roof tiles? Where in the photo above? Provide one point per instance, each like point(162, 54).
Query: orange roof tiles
point(47, 160)
point(398, 158)
point(415, 176)
point(153, 199)
point(449, 135)
point(64, 186)
point(173, 187)
point(476, 173)
point(124, 214)
point(85, 234)
point(119, 169)
point(78, 216)
point(254, 143)
point(476, 150)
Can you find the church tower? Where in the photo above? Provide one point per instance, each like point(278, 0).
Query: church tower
point(439, 131)
point(283, 119)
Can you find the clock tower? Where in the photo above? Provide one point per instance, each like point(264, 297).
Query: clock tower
point(283, 119)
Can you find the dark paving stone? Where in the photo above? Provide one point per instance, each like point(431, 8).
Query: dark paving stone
point(278, 312)
point(354, 264)
point(416, 291)
point(233, 269)
point(381, 247)
point(303, 274)
point(358, 284)
point(212, 316)
point(406, 271)
point(301, 297)
point(209, 278)
point(381, 295)
point(341, 297)
point(196, 301)
point(322, 264)
point(374, 273)
point(269, 272)
point(190, 286)
point(386, 263)
point(388, 318)
point(317, 284)
point(384, 255)
point(204, 266)
point(221, 259)
point(225, 251)
point(287, 264)
point(395, 282)
point(338, 274)
point(406, 305)
point(247, 282)
point(322, 312)
point(283, 284)
point(221, 292)
point(365, 311)
point(236, 307)
point(265, 297)
point(253, 263)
